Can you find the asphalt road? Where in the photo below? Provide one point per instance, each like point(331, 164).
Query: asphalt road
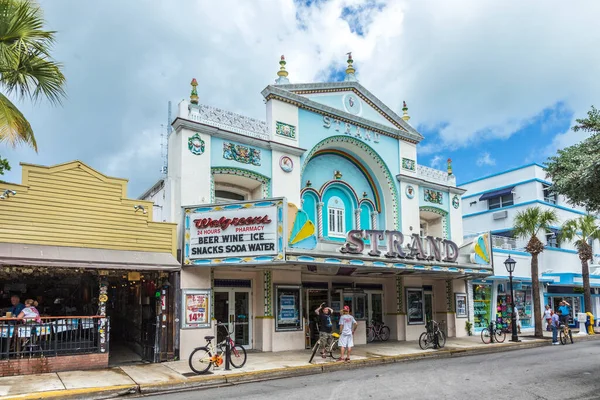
point(549, 372)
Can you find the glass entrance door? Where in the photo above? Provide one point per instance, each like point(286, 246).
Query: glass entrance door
point(232, 307)
point(374, 308)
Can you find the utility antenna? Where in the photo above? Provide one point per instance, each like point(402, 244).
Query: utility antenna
point(169, 120)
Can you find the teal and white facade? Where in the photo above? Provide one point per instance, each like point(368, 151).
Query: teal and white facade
point(322, 201)
point(489, 205)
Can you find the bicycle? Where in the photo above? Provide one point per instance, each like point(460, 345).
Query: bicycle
point(432, 337)
point(329, 345)
point(377, 331)
point(565, 332)
point(491, 333)
point(202, 358)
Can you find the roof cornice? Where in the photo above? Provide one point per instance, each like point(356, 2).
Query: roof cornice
point(286, 94)
point(430, 184)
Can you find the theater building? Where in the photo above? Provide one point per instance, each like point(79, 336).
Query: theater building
point(324, 200)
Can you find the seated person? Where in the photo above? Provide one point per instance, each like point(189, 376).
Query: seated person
point(17, 306)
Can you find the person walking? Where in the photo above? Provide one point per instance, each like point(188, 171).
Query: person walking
point(325, 326)
point(548, 317)
point(347, 328)
point(555, 323)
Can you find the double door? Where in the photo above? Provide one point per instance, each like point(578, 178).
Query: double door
point(233, 307)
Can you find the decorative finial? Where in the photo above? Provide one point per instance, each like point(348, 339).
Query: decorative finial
point(405, 112)
point(194, 94)
point(350, 70)
point(282, 73)
point(308, 183)
point(449, 166)
point(337, 174)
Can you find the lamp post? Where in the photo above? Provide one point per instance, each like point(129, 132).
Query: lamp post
point(510, 267)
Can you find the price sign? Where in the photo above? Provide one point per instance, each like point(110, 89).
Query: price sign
point(196, 309)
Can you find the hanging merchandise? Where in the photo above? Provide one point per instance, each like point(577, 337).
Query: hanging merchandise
point(503, 311)
point(481, 305)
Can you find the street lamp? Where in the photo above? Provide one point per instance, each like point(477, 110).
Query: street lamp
point(510, 267)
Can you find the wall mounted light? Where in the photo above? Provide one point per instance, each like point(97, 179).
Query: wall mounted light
point(138, 207)
point(7, 193)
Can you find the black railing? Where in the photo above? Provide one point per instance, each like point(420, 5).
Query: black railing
point(53, 336)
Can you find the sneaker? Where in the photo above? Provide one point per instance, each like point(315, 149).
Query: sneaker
point(555, 343)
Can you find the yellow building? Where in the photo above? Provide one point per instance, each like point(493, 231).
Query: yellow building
point(71, 240)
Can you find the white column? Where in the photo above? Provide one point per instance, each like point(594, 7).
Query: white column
point(320, 219)
point(357, 218)
point(374, 219)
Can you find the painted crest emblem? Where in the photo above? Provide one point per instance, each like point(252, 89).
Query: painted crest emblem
point(410, 192)
point(196, 144)
point(455, 202)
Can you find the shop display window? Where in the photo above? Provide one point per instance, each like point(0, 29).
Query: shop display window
point(288, 305)
point(482, 296)
point(414, 301)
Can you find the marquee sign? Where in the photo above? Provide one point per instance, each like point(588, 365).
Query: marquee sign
point(429, 248)
point(236, 232)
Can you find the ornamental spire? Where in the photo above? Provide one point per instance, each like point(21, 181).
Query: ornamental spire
point(194, 94)
point(405, 115)
point(282, 73)
point(449, 167)
point(350, 70)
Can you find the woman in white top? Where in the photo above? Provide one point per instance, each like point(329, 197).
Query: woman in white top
point(548, 317)
point(30, 311)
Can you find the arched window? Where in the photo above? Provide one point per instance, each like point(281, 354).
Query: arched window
point(336, 217)
point(225, 196)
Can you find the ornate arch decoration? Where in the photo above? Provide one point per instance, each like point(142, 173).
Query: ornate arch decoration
point(367, 201)
point(264, 181)
point(322, 147)
point(310, 190)
point(345, 186)
point(445, 218)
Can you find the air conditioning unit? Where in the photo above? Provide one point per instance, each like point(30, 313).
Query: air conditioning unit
point(506, 246)
point(500, 214)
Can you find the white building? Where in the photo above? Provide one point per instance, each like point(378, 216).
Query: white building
point(299, 198)
point(490, 204)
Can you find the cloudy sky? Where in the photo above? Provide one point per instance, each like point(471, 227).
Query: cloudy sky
point(491, 84)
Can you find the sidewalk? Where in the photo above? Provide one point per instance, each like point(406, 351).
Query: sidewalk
point(176, 375)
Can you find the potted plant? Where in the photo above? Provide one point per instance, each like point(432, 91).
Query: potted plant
point(468, 327)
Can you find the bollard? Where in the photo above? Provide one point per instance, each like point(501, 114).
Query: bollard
point(227, 355)
point(582, 318)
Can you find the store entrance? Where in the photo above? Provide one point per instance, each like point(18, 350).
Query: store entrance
point(374, 307)
point(233, 307)
point(314, 298)
point(428, 305)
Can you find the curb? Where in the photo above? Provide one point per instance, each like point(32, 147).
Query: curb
point(211, 381)
point(95, 393)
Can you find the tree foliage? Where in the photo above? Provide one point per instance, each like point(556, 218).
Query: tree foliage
point(4, 166)
point(26, 67)
point(575, 170)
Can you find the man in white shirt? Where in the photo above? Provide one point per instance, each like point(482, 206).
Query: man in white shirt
point(347, 328)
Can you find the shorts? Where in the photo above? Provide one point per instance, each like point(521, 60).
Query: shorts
point(325, 337)
point(346, 341)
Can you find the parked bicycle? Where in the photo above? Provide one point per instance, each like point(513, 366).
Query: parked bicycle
point(565, 332)
point(202, 358)
point(328, 345)
point(432, 337)
point(492, 333)
point(377, 331)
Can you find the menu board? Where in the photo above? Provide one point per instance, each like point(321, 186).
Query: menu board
point(196, 308)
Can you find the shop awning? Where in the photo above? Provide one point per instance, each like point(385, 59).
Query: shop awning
point(18, 254)
point(496, 193)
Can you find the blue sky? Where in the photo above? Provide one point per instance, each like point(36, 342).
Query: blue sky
point(491, 85)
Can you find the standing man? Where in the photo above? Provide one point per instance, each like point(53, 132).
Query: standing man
point(347, 328)
point(325, 326)
point(565, 310)
point(17, 306)
point(555, 323)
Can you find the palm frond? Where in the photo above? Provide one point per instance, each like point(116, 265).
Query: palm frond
point(14, 127)
point(529, 222)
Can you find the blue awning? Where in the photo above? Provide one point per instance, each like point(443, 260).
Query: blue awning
point(496, 193)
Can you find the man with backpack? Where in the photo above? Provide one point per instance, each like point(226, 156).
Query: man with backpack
point(555, 323)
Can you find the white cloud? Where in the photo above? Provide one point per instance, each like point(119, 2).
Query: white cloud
point(485, 159)
point(436, 161)
point(479, 70)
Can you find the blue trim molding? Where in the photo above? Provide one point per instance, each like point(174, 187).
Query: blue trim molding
point(502, 173)
point(526, 204)
point(507, 186)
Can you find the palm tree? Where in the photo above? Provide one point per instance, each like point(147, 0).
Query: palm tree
point(527, 225)
point(583, 230)
point(26, 68)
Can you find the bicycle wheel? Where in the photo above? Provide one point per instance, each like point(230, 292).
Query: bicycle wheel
point(370, 334)
point(334, 350)
point(238, 356)
point(571, 336)
point(314, 350)
point(499, 335)
point(563, 337)
point(200, 360)
point(425, 341)
point(385, 333)
point(485, 336)
point(441, 339)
